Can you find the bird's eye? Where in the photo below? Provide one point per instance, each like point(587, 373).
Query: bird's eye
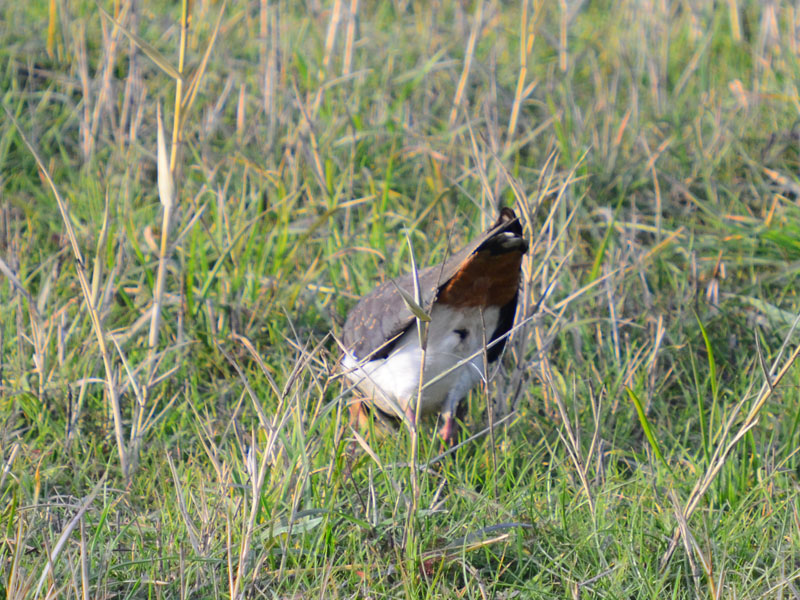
point(462, 333)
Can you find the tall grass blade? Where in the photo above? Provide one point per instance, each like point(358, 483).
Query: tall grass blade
point(645, 423)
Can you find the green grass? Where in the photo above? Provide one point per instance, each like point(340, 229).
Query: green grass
point(648, 415)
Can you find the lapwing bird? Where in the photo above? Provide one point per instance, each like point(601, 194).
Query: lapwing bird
point(470, 299)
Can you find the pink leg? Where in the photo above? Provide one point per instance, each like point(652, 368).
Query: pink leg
point(358, 416)
point(449, 431)
point(411, 414)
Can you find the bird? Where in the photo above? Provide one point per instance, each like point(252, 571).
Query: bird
point(470, 300)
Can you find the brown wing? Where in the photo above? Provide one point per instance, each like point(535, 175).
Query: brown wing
point(381, 317)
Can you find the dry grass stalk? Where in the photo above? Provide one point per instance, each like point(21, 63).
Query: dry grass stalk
point(179, 81)
point(330, 37)
point(350, 37)
point(462, 82)
point(66, 532)
point(527, 36)
point(724, 449)
point(166, 193)
point(111, 387)
point(104, 95)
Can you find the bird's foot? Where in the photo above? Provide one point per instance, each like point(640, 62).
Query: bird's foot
point(449, 431)
point(359, 418)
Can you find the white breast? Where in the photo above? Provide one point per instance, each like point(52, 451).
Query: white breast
point(392, 383)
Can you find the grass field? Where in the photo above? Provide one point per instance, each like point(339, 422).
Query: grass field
point(172, 420)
